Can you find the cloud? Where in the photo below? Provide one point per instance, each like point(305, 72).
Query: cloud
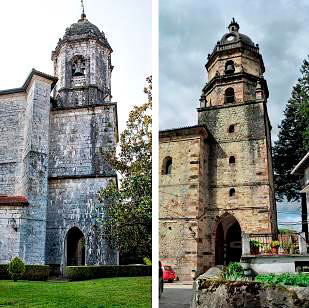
point(189, 31)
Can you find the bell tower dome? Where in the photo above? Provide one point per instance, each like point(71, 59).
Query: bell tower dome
point(235, 70)
point(82, 63)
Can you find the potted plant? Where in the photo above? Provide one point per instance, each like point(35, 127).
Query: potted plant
point(275, 247)
point(287, 247)
point(255, 247)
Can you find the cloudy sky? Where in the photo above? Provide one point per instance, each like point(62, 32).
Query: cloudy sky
point(30, 31)
point(189, 31)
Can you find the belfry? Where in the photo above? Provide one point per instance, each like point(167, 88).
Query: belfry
point(220, 183)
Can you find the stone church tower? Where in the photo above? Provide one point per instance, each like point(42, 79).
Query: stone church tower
point(229, 173)
point(83, 124)
point(51, 162)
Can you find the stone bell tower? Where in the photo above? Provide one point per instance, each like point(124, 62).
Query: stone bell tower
point(83, 124)
point(233, 107)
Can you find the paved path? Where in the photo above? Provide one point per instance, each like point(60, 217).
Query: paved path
point(176, 295)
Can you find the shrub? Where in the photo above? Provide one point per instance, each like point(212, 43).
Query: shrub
point(301, 279)
point(16, 268)
point(233, 271)
point(75, 273)
point(36, 272)
point(32, 272)
point(4, 271)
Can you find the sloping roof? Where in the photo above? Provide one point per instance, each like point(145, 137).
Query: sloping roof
point(187, 130)
point(24, 87)
point(13, 200)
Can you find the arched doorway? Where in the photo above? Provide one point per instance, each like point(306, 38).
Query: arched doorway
point(228, 240)
point(75, 245)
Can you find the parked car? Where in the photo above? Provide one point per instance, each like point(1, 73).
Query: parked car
point(168, 273)
point(161, 283)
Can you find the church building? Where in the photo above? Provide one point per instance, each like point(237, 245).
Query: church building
point(216, 178)
point(53, 132)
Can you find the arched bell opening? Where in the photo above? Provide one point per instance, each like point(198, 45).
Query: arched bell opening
point(228, 240)
point(75, 246)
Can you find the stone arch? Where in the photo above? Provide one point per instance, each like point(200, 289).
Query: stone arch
point(228, 240)
point(75, 247)
point(78, 66)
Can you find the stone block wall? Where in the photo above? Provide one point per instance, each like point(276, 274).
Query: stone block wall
point(244, 61)
point(95, 85)
point(74, 203)
point(24, 164)
point(182, 199)
point(12, 110)
point(78, 138)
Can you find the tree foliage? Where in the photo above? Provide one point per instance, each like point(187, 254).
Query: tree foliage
point(127, 208)
point(293, 139)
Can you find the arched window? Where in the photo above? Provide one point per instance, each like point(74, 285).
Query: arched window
point(232, 160)
point(167, 165)
point(229, 96)
point(232, 192)
point(229, 67)
point(232, 128)
point(78, 66)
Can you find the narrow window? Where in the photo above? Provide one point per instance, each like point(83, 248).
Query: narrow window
point(167, 165)
point(232, 192)
point(229, 96)
point(232, 160)
point(232, 129)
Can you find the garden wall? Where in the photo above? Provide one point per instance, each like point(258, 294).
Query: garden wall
point(261, 264)
point(75, 273)
point(218, 293)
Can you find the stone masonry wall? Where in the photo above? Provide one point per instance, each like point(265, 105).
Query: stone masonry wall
point(249, 175)
point(12, 109)
point(74, 203)
point(77, 140)
point(24, 160)
point(92, 88)
point(244, 61)
point(181, 202)
point(35, 172)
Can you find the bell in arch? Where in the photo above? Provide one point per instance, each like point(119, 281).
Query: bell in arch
point(78, 71)
point(230, 68)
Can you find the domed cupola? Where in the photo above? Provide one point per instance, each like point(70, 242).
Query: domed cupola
point(83, 29)
point(235, 71)
point(82, 63)
point(234, 39)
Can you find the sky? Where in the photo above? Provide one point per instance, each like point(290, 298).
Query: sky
point(189, 31)
point(30, 31)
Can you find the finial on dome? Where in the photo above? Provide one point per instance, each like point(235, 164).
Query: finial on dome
point(83, 16)
point(233, 26)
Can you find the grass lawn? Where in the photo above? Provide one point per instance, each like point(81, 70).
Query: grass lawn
point(98, 293)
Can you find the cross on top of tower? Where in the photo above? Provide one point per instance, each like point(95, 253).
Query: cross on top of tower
point(83, 16)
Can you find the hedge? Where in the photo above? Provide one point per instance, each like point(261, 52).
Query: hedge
point(75, 273)
point(32, 272)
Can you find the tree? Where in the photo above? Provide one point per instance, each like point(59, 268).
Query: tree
point(293, 139)
point(127, 222)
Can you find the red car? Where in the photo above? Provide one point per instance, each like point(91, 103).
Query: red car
point(168, 273)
